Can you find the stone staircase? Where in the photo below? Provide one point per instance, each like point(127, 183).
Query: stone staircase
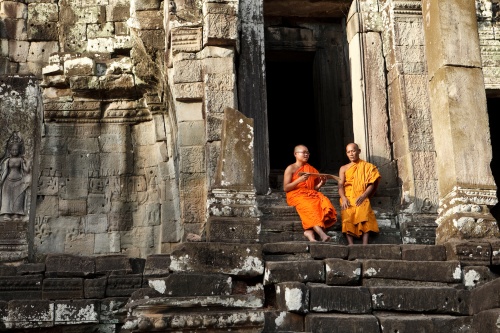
point(275, 287)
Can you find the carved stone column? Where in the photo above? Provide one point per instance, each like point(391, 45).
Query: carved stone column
point(460, 121)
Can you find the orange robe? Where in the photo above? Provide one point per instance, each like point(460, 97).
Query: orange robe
point(313, 207)
point(359, 219)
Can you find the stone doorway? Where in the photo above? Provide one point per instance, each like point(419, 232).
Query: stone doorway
point(308, 92)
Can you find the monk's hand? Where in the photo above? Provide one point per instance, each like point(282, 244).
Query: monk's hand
point(345, 204)
point(360, 200)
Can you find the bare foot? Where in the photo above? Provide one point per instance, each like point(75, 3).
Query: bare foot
point(326, 239)
point(310, 235)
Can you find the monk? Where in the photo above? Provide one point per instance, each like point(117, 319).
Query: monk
point(314, 208)
point(358, 182)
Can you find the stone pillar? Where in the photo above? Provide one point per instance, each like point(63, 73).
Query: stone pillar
point(252, 98)
point(460, 121)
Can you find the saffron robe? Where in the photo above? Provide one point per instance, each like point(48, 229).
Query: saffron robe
point(313, 207)
point(359, 219)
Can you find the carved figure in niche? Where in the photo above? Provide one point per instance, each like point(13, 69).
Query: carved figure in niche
point(15, 180)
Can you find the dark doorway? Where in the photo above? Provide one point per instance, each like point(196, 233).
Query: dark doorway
point(494, 118)
point(291, 109)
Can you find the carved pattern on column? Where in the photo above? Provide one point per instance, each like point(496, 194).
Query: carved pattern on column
point(408, 8)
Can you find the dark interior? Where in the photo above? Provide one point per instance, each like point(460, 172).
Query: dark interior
point(494, 119)
point(290, 102)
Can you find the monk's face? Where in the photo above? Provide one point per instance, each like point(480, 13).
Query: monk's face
point(352, 152)
point(302, 153)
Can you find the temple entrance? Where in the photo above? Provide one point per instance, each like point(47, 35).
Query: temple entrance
point(308, 92)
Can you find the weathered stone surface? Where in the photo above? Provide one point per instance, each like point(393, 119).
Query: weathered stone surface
point(113, 264)
point(192, 284)
point(447, 271)
point(285, 248)
point(284, 321)
point(339, 299)
point(486, 321)
point(222, 229)
point(123, 285)
point(299, 271)
point(321, 251)
point(376, 251)
point(157, 265)
point(234, 259)
point(474, 276)
point(423, 252)
point(337, 323)
point(443, 300)
point(426, 323)
point(342, 272)
point(485, 297)
point(469, 253)
point(21, 287)
point(30, 314)
point(62, 288)
point(63, 265)
point(76, 312)
point(292, 297)
point(95, 288)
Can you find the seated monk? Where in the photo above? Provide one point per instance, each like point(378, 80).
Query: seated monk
point(314, 208)
point(358, 182)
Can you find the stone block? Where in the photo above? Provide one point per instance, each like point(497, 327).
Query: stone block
point(43, 32)
point(188, 92)
point(115, 264)
point(375, 251)
point(339, 323)
point(123, 285)
point(474, 276)
point(31, 268)
point(95, 288)
point(469, 252)
point(216, 101)
point(63, 265)
point(14, 9)
point(427, 323)
point(21, 287)
point(62, 288)
point(436, 271)
point(118, 12)
point(299, 271)
point(339, 299)
point(285, 248)
point(282, 321)
point(221, 24)
point(486, 321)
point(72, 207)
point(75, 312)
point(111, 310)
point(148, 20)
point(485, 297)
point(437, 300)
point(292, 297)
point(232, 229)
point(322, 251)
point(74, 188)
point(186, 39)
point(234, 259)
point(187, 71)
point(416, 252)
point(157, 265)
point(192, 284)
point(29, 314)
point(342, 272)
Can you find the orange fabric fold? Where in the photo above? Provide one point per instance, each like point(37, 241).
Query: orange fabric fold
point(359, 219)
point(313, 207)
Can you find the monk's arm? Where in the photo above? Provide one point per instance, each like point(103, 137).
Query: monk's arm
point(370, 189)
point(345, 201)
point(288, 184)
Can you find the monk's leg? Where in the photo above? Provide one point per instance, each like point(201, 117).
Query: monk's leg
point(350, 239)
point(365, 238)
point(309, 235)
point(324, 237)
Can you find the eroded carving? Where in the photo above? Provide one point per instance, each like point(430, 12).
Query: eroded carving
point(15, 180)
